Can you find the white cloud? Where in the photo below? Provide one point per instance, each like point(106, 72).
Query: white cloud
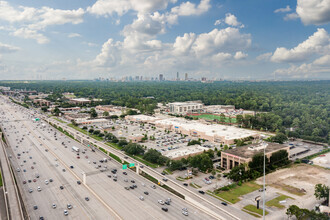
point(232, 20)
point(240, 55)
point(31, 20)
point(318, 43)
point(217, 22)
point(291, 16)
point(120, 7)
point(314, 11)
point(72, 35)
point(223, 40)
point(283, 10)
point(182, 45)
point(30, 34)
point(6, 48)
point(188, 8)
point(265, 56)
point(324, 60)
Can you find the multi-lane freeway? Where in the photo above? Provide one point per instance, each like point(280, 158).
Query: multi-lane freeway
point(39, 153)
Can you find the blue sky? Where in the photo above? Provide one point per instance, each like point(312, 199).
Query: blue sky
point(228, 39)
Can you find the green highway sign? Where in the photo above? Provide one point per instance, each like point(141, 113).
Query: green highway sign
point(131, 165)
point(124, 166)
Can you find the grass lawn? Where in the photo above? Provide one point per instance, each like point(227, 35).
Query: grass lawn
point(168, 171)
point(57, 119)
point(234, 194)
point(180, 178)
point(254, 209)
point(194, 185)
point(212, 117)
point(289, 189)
point(113, 145)
point(276, 201)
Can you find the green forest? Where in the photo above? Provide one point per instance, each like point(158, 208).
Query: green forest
point(302, 106)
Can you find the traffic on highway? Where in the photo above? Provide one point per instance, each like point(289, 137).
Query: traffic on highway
point(60, 178)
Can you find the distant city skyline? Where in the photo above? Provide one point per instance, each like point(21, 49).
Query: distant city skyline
point(180, 39)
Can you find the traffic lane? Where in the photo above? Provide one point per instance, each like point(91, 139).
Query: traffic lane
point(100, 157)
point(72, 182)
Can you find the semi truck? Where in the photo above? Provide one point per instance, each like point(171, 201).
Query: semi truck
point(76, 149)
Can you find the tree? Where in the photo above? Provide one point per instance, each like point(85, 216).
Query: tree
point(152, 155)
point(105, 114)
point(93, 113)
point(194, 142)
point(85, 127)
point(91, 130)
point(279, 158)
point(238, 173)
point(257, 163)
point(122, 143)
point(134, 149)
point(294, 210)
point(279, 138)
point(44, 108)
point(56, 111)
point(74, 123)
point(321, 192)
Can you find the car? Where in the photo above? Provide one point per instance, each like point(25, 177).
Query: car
point(163, 173)
point(165, 179)
point(41, 218)
point(51, 180)
point(39, 189)
point(37, 175)
point(18, 170)
point(71, 167)
point(114, 179)
point(86, 157)
point(124, 173)
point(86, 198)
point(34, 180)
point(78, 182)
point(153, 186)
point(109, 175)
point(261, 189)
point(165, 209)
point(24, 181)
point(61, 187)
point(185, 213)
point(54, 206)
point(66, 212)
point(35, 207)
point(69, 206)
point(132, 187)
point(135, 186)
point(78, 157)
point(185, 209)
point(132, 181)
point(32, 167)
point(161, 202)
point(223, 203)
point(127, 188)
point(29, 181)
point(201, 192)
point(63, 170)
point(125, 180)
point(185, 184)
point(167, 203)
point(30, 190)
point(46, 182)
point(24, 170)
point(141, 166)
point(141, 198)
point(147, 193)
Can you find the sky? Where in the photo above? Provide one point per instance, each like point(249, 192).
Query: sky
point(227, 39)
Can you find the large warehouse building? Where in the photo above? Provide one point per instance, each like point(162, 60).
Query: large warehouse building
point(221, 134)
point(240, 155)
point(183, 108)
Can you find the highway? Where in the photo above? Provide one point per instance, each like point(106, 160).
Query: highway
point(204, 202)
point(107, 199)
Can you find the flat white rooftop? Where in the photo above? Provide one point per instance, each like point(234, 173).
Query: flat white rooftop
point(184, 151)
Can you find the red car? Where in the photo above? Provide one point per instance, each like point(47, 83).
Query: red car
point(86, 157)
point(34, 180)
point(24, 182)
point(78, 157)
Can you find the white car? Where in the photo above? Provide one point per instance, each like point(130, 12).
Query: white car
point(46, 182)
point(161, 202)
point(54, 206)
point(141, 198)
point(66, 212)
point(39, 189)
point(185, 213)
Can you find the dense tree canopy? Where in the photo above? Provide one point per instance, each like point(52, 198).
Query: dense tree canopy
point(302, 106)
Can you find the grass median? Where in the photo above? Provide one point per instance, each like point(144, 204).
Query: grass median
point(233, 195)
point(276, 201)
point(251, 209)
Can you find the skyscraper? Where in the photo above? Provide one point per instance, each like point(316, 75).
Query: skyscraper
point(186, 76)
point(161, 77)
point(177, 76)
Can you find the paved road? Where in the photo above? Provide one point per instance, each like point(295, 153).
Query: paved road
point(14, 206)
point(108, 199)
point(206, 202)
